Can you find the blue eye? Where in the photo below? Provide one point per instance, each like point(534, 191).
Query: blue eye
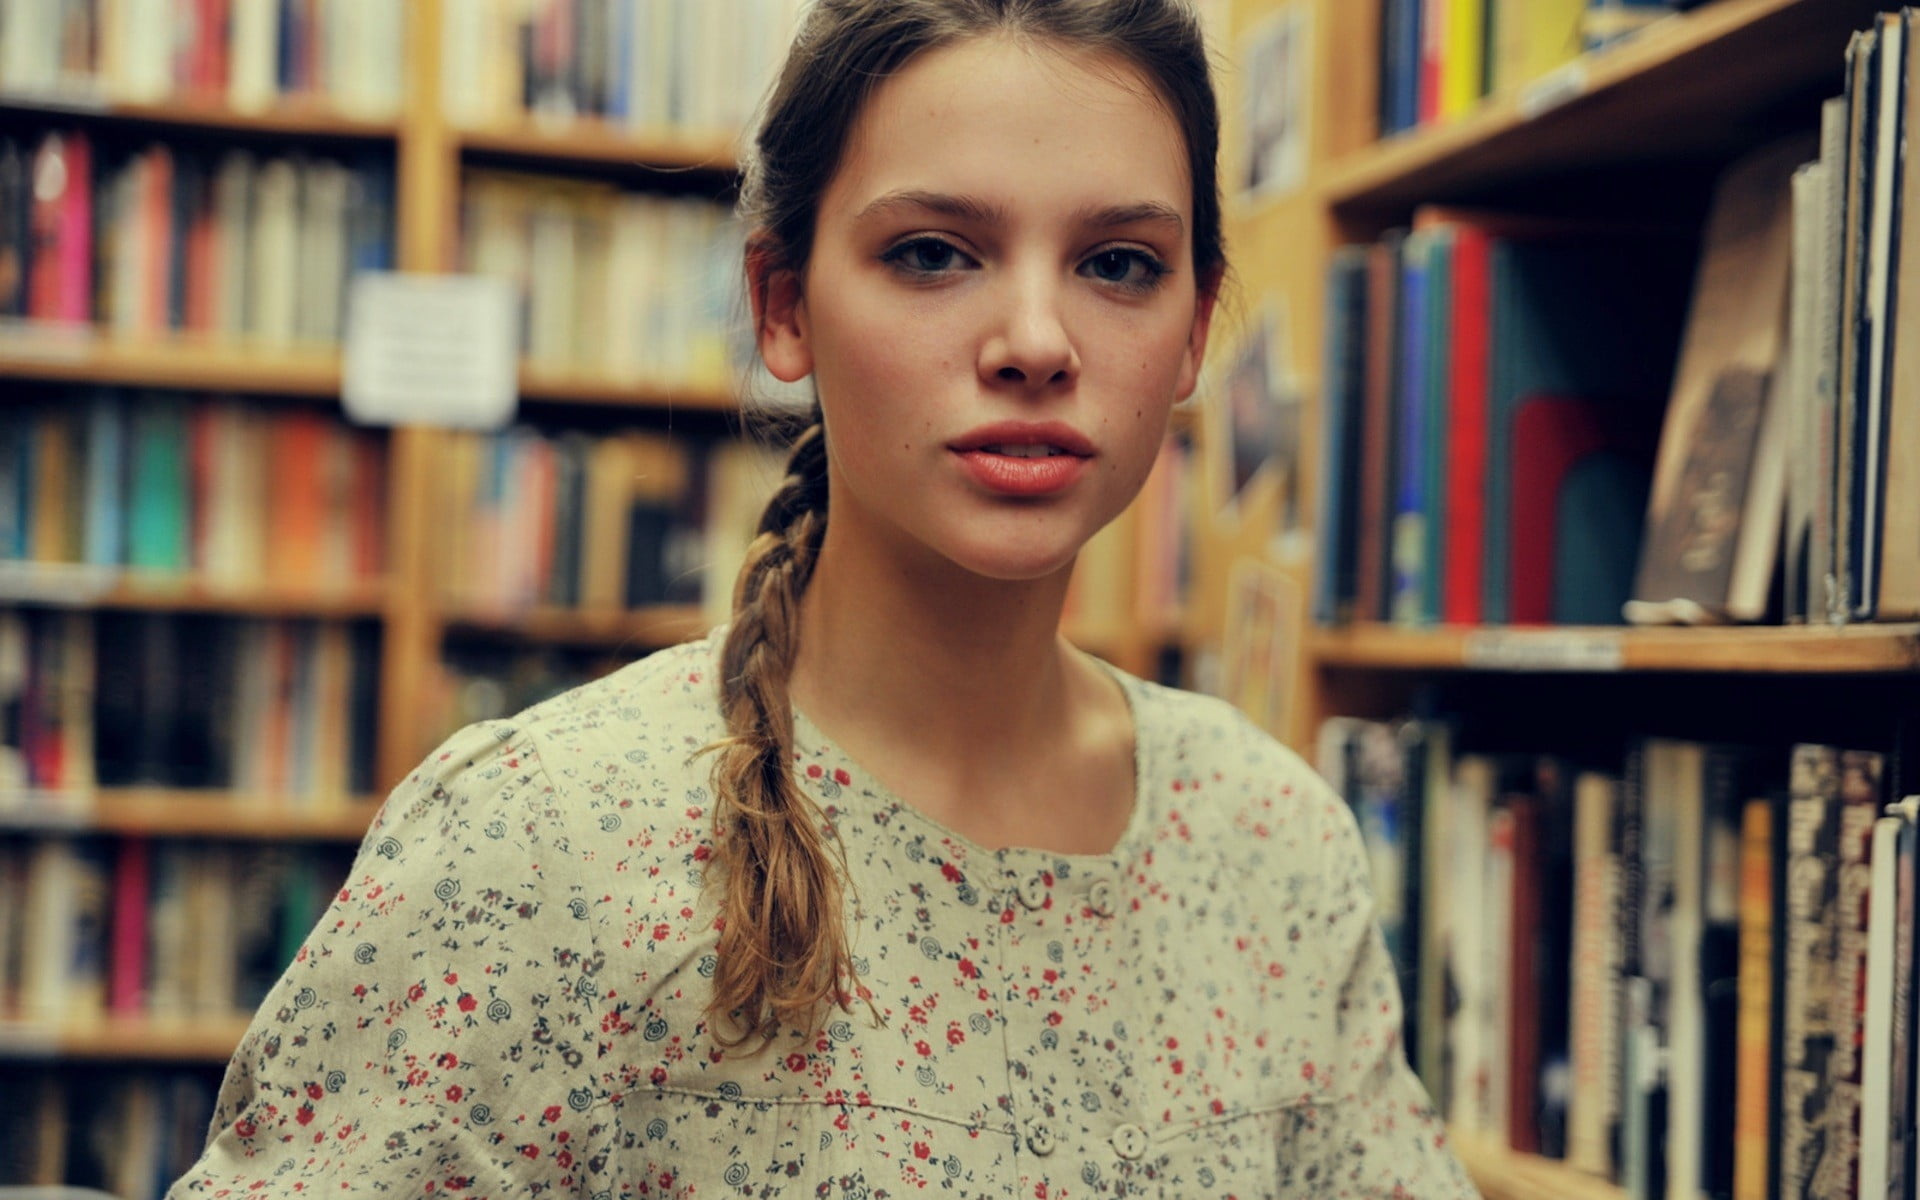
point(1134, 270)
point(924, 256)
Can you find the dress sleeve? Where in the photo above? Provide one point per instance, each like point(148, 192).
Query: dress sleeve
point(1384, 1135)
point(436, 1031)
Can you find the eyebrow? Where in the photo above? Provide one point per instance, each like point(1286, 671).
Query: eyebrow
point(970, 208)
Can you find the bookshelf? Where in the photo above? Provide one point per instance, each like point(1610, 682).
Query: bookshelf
point(1637, 130)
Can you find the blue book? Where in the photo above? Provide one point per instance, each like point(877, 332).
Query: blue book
point(1400, 31)
point(106, 501)
point(1434, 421)
point(1335, 576)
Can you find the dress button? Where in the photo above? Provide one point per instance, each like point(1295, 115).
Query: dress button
point(1040, 1138)
point(1033, 891)
point(1100, 898)
point(1129, 1142)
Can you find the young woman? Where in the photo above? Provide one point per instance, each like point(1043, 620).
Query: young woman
point(884, 887)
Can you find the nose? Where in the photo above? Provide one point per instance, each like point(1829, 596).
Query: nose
point(1030, 347)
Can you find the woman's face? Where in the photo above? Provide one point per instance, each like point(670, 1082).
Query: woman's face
point(1002, 269)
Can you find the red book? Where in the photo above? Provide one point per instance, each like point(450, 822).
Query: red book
point(156, 240)
point(1467, 428)
point(60, 283)
point(1550, 435)
point(297, 498)
point(203, 264)
point(1376, 432)
point(368, 516)
point(1433, 40)
point(127, 949)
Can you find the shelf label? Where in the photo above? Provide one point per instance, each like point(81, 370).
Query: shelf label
point(1544, 650)
point(1553, 89)
point(431, 350)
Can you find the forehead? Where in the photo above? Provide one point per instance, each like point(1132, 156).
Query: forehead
point(1030, 125)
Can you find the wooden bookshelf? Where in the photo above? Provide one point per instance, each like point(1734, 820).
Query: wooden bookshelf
point(1792, 649)
point(666, 625)
point(182, 813)
point(590, 142)
point(1691, 85)
point(544, 384)
point(310, 121)
point(210, 1040)
point(1501, 1174)
point(66, 354)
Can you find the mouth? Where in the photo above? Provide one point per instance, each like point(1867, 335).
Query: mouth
point(1026, 439)
point(1029, 450)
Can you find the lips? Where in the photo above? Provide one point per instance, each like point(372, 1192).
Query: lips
point(1025, 439)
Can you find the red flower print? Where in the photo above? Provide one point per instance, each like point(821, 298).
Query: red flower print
point(1174, 1043)
point(659, 1076)
point(455, 1092)
point(1179, 1067)
point(452, 979)
point(924, 1049)
point(552, 1114)
point(1054, 1018)
point(304, 1114)
point(1306, 1071)
point(922, 1150)
point(796, 1062)
point(955, 1035)
point(1219, 1107)
point(702, 853)
point(313, 1091)
point(968, 970)
point(841, 777)
point(951, 872)
point(244, 1127)
point(814, 771)
point(530, 1150)
point(467, 1002)
point(359, 989)
point(448, 1061)
point(662, 932)
point(416, 991)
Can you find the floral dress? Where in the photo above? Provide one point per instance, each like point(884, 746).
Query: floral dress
point(506, 998)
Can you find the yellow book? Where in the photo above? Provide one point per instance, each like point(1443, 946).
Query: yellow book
point(1463, 58)
point(53, 504)
point(1532, 37)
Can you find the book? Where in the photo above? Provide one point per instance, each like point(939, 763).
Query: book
point(1808, 1020)
point(1752, 1076)
point(1714, 516)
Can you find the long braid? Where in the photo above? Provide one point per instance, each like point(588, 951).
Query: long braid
point(783, 952)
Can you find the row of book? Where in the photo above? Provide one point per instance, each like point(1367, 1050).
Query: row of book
point(285, 711)
point(1438, 58)
point(1688, 973)
point(160, 238)
point(643, 65)
point(129, 1133)
point(248, 55)
point(603, 523)
point(616, 284)
point(156, 486)
point(172, 931)
point(1494, 388)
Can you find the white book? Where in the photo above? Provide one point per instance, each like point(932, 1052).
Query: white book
point(77, 701)
point(232, 223)
point(253, 55)
point(53, 879)
point(1876, 1080)
point(29, 46)
point(324, 186)
point(1794, 391)
point(1594, 1020)
point(1681, 802)
point(127, 232)
point(1879, 301)
point(274, 254)
point(1474, 779)
point(553, 278)
point(463, 62)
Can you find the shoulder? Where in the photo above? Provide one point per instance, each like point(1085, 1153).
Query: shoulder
point(1230, 786)
point(635, 731)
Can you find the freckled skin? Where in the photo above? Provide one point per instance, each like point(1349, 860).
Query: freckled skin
point(1020, 323)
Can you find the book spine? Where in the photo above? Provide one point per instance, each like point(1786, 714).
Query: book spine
point(1756, 988)
point(1860, 800)
point(1807, 1027)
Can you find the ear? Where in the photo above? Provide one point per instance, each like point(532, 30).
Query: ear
point(1196, 351)
point(779, 313)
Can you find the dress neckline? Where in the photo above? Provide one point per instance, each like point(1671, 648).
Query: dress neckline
point(864, 782)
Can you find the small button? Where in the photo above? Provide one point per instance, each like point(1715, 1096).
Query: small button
point(1040, 1138)
point(1129, 1142)
point(1033, 891)
point(1100, 898)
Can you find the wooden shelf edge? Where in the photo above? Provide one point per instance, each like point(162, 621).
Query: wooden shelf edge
point(87, 587)
point(1787, 650)
point(589, 140)
point(548, 385)
point(189, 813)
point(297, 118)
point(1387, 166)
point(1501, 1174)
point(70, 354)
point(665, 625)
point(114, 1038)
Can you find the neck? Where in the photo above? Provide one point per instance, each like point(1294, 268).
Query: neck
point(924, 653)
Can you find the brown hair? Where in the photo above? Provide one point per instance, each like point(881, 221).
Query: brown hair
point(783, 952)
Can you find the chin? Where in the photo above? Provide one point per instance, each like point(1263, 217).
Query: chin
point(1016, 561)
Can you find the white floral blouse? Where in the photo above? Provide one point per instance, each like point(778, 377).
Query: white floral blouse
point(506, 997)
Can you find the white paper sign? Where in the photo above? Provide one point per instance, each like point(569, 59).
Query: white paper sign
point(431, 350)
